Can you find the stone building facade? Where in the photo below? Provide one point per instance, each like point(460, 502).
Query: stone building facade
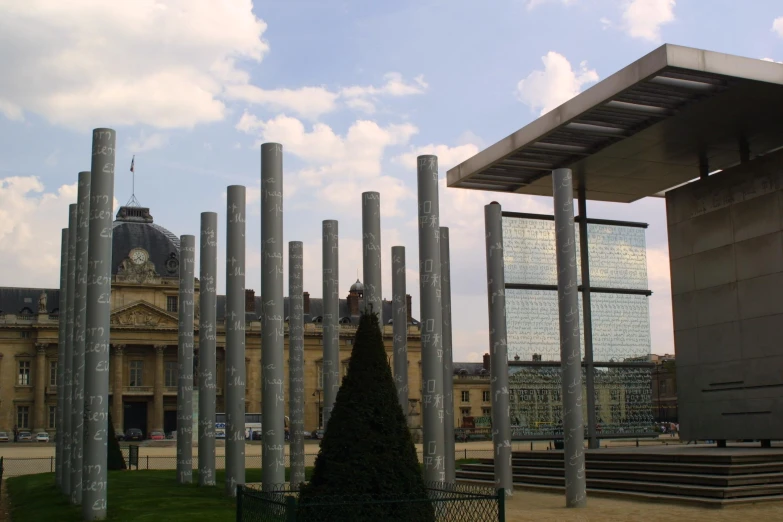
point(144, 325)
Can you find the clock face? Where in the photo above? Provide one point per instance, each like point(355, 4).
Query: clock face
point(138, 256)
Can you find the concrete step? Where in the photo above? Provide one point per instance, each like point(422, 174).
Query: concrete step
point(653, 465)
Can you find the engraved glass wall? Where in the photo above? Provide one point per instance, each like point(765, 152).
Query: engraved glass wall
point(621, 326)
point(623, 398)
point(617, 254)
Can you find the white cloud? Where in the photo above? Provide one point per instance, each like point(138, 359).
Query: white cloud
point(770, 60)
point(338, 164)
point(30, 223)
point(605, 23)
point(532, 4)
point(162, 63)
point(144, 142)
point(644, 18)
point(777, 26)
point(363, 98)
point(556, 84)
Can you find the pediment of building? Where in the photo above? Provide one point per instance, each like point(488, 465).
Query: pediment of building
point(142, 314)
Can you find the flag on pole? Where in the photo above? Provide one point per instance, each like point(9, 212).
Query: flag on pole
point(133, 160)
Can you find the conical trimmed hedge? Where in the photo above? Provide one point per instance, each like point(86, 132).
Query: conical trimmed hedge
point(115, 460)
point(367, 450)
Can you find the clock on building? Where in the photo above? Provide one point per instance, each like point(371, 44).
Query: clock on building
point(138, 256)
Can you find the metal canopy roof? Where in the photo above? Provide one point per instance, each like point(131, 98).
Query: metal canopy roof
point(643, 130)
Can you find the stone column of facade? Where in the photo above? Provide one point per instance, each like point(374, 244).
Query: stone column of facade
point(207, 338)
point(400, 328)
point(185, 360)
point(234, 384)
point(448, 372)
point(273, 327)
point(79, 337)
point(160, 381)
point(431, 320)
point(498, 365)
point(96, 359)
point(40, 387)
point(67, 374)
point(118, 413)
point(570, 352)
point(61, 320)
point(331, 326)
point(371, 258)
point(296, 360)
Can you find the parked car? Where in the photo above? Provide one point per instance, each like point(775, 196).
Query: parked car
point(134, 434)
point(318, 434)
point(42, 437)
point(307, 434)
point(3, 436)
point(157, 435)
point(25, 436)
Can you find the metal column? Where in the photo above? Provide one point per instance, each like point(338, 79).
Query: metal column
point(68, 373)
point(431, 317)
point(207, 359)
point(570, 356)
point(371, 254)
point(448, 371)
point(296, 360)
point(331, 326)
point(61, 320)
point(96, 350)
point(498, 365)
point(587, 315)
point(187, 261)
point(79, 324)
point(272, 326)
point(235, 339)
point(400, 327)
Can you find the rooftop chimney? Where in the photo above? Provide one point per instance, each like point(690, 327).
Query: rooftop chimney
point(409, 306)
point(353, 303)
point(306, 304)
point(486, 361)
point(250, 300)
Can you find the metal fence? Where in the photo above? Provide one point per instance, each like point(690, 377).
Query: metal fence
point(440, 503)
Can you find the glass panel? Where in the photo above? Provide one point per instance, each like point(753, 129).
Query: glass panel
point(621, 326)
point(618, 256)
point(623, 400)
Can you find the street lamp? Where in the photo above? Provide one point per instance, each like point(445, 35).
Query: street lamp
point(318, 412)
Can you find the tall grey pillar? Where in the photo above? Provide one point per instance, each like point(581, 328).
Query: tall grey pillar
point(296, 360)
point(400, 327)
point(96, 352)
point(331, 325)
point(234, 393)
point(587, 315)
point(61, 320)
point(187, 261)
point(371, 258)
point(498, 362)
point(431, 320)
point(448, 371)
point(68, 373)
point(79, 325)
point(207, 336)
point(273, 326)
point(570, 353)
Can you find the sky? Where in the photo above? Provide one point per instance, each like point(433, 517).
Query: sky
point(354, 90)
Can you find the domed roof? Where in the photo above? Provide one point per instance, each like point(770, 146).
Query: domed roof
point(134, 228)
point(357, 287)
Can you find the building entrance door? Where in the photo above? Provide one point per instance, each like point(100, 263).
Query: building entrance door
point(136, 416)
point(169, 421)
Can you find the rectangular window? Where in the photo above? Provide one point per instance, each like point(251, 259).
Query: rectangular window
point(52, 373)
point(466, 396)
point(171, 373)
point(24, 373)
point(24, 334)
point(486, 412)
point(486, 396)
point(171, 303)
point(320, 417)
point(23, 417)
point(52, 417)
point(136, 368)
point(465, 412)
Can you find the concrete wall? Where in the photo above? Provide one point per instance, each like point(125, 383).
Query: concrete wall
point(726, 256)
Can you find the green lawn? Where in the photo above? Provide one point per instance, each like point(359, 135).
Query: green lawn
point(134, 496)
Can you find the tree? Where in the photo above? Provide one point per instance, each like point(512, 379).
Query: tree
point(367, 448)
point(115, 460)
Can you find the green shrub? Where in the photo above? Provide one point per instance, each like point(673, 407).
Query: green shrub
point(367, 451)
point(115, 460)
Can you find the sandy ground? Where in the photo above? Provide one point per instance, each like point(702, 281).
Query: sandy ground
point(548, 507)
